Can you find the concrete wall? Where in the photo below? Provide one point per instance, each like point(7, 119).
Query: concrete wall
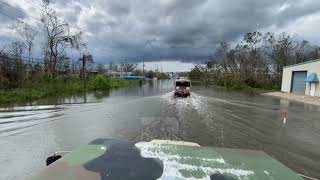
point(311, 67)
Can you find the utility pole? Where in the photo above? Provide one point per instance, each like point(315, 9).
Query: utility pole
point(125, 66)
point(143, 67)
point(83, 59)
point(83, 66)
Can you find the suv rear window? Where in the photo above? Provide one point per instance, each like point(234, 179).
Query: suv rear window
point(184, 84)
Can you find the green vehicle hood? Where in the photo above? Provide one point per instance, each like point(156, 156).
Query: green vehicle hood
point(105, 159)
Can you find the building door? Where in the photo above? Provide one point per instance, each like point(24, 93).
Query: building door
point(313, 89)
point(298, 86)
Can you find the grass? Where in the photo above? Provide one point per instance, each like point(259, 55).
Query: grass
point(60, 86)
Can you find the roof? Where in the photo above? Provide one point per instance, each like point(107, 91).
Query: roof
point(183, 80)
point(134, 77)
point(312, 78)
point(106, 159)
point(307, 62)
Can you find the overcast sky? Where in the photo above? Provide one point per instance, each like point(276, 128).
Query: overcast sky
point(168, 30)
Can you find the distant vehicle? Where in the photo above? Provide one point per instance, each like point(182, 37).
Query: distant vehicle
point(115, 159)
point(182, 87)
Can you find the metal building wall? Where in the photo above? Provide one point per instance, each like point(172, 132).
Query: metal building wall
point(310, 67)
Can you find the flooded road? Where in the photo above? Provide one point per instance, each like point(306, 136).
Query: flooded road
point(209, 117)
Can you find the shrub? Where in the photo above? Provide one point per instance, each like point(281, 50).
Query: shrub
point(123, 83)
point(102, 83)
point(45, 78)
point(60, 79)
point(232, 81)
point(48, 86)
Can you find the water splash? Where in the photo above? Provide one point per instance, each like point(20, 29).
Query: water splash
point(175, 164)
point(194, 101)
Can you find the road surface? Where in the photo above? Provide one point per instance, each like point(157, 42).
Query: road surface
point(208, 117)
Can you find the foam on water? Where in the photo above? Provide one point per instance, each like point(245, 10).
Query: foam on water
point(30, 108)
point(173, 164)
point(16, 119)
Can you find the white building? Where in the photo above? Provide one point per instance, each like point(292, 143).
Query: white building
point(302, 78)
point(114, 74)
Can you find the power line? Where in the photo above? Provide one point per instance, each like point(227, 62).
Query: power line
point(17, 19)
point(12, 55)
point(33, 5)
point(23, 58)
point(20, 10)
point(13, 18)
point(25, 61)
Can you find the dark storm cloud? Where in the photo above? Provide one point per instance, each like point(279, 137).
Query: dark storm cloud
point(174, 29)
point(298, 9)
point(118, 8)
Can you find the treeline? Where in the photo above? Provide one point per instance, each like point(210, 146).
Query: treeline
point(256, 62)
point(55, 39)
point(26, 78)
point(151, 74)
point(130, 69)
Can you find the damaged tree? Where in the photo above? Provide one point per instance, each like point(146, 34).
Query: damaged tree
point(58, 36)
point(128, 67)
point(11, 66)
point(28, 34)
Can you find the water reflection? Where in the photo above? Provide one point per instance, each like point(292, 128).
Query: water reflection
point(81, 98)
point(100, 95)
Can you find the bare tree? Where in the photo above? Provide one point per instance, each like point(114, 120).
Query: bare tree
point(46, 2)
point(13, 71)
point(252, 59)
point(57, 34)
point(28, 34)
point(113, 67)
point(16, 49)
point(2, 49)
point(314, 52)
point(75, 67)
point(128, 67)
point(300, 54)
point(257, 61)
point(280, 49)
point(220, 55)
point(101, 69)
point(196, 73)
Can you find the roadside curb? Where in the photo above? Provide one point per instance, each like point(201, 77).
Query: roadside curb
point(295, 97)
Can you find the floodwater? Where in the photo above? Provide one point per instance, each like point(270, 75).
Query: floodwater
point(209, 117)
